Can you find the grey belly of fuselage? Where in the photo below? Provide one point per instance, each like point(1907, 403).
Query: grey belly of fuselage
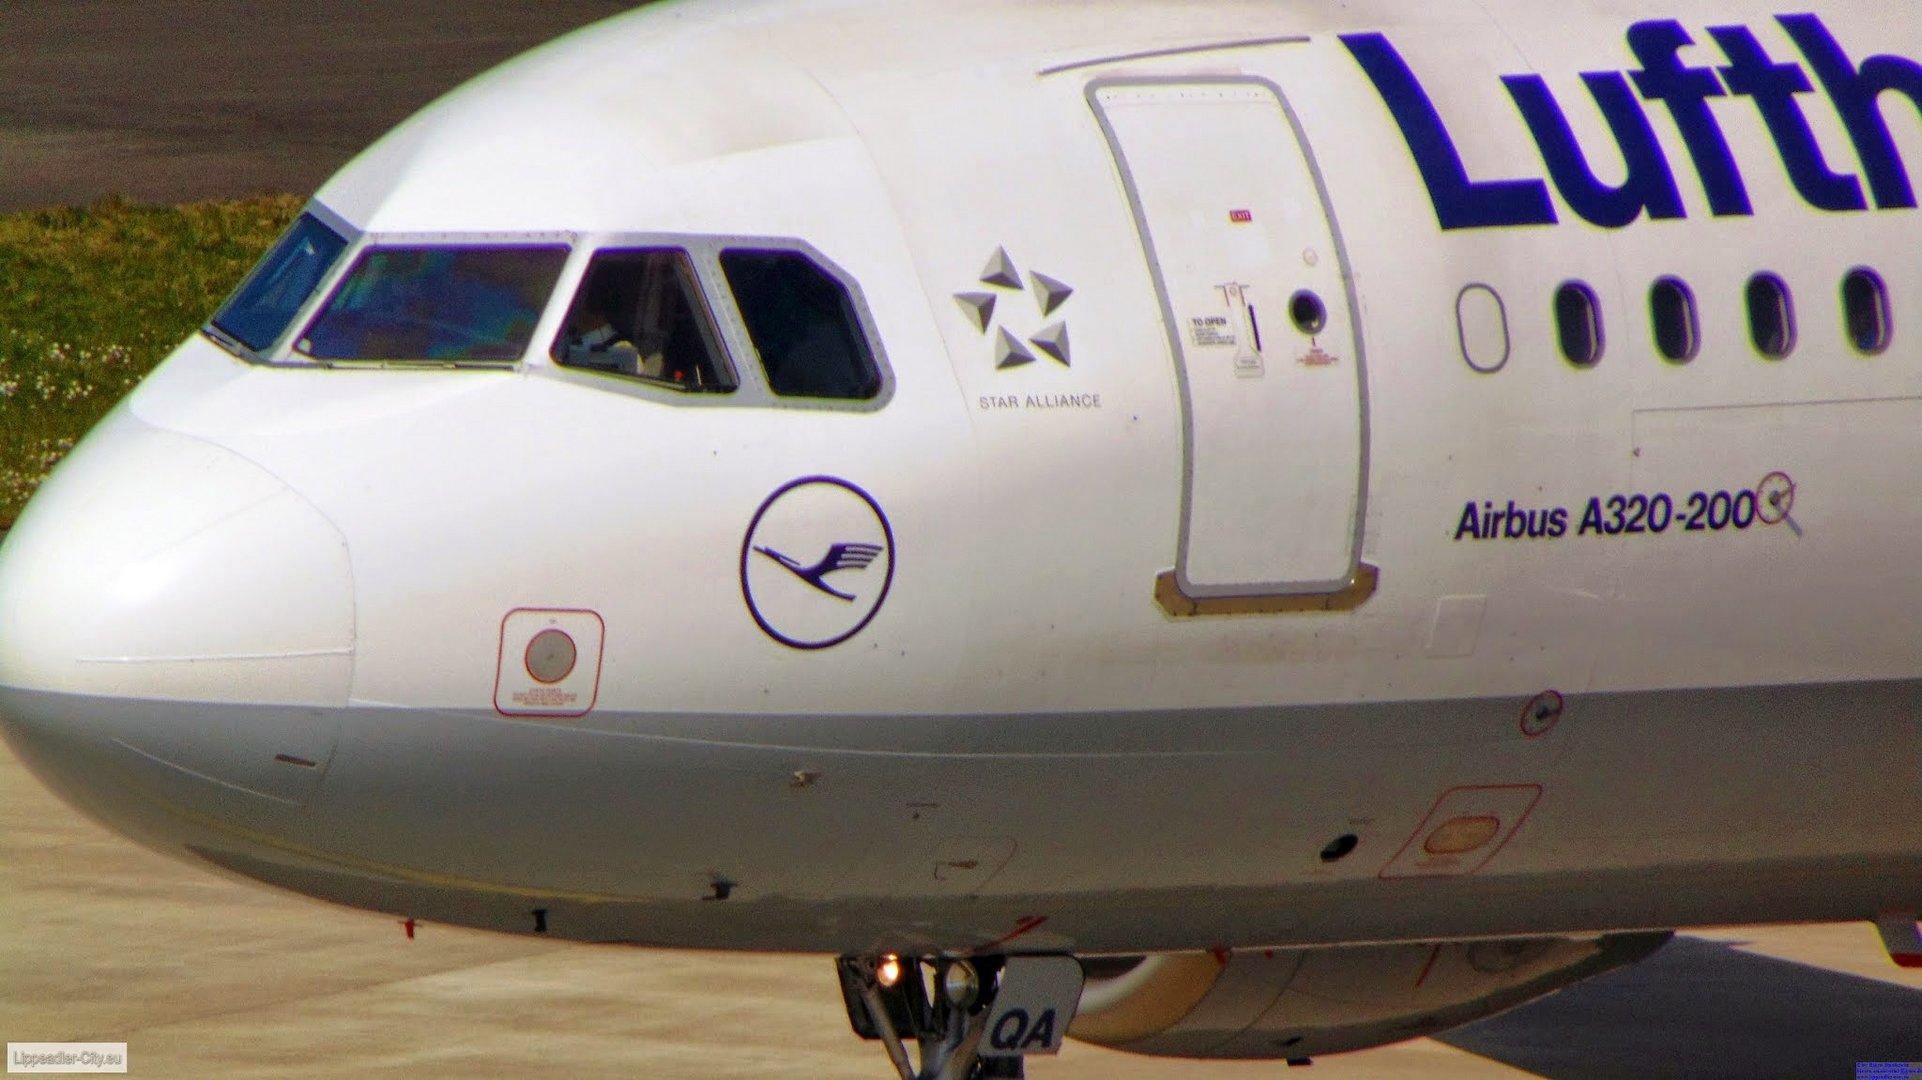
point(1089, 832)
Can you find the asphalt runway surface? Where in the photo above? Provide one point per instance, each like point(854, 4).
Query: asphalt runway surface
point(203, 977)
point(193, 99)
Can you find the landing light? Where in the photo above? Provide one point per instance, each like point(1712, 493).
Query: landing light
point(961, 985)
point(889, 973)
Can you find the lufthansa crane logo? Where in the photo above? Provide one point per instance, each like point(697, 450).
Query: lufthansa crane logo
point(839, 557)
point(817, 562)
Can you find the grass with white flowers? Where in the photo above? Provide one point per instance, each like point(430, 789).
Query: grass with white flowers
point(91, 298)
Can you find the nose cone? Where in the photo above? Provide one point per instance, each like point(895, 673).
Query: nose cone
point(157, 566)
point(174, 624)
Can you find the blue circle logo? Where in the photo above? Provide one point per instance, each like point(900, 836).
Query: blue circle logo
point(817, 562)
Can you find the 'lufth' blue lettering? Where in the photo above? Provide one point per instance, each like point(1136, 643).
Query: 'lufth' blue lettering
point(1459, 202)
point(1854, 91)
point(1751, 73)
point(1685, 92)
point(1650, 185)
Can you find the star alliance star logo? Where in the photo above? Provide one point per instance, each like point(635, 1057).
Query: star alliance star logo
point(1010, 350)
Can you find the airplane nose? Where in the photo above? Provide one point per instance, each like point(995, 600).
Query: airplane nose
point(155, 565)
point(172, 612)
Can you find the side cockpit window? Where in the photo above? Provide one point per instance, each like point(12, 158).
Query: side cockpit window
point(640, 313)
point(436, 304)
point(803, 324)
point(279, 285)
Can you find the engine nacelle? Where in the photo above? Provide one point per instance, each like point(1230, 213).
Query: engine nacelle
point(1297, 1003)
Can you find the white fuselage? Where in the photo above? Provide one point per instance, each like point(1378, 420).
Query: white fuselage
point(1166, 615)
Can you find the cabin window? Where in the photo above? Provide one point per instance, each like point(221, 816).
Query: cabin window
point(640, 313)
point(1578, 324)
point(1481, 325)
point(1865, 307)
point(1671, 306)
point(436, 304)
point(802, 322)
point(259, 311)
point(1771, 316)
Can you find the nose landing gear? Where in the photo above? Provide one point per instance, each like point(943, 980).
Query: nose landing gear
point(939, 1003)
point(972, 1018)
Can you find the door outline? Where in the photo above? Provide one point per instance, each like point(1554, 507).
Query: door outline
point(1174, 596)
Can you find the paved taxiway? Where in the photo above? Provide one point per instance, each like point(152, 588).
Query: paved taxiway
point(103, 941)
point(193, 99)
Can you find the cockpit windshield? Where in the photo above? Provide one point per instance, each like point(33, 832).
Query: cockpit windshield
point(445, 304)
point(259, 311)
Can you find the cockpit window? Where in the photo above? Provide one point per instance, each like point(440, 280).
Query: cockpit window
point(447, 304)
point(259, 311)
point(802, 322)
point(640, 313)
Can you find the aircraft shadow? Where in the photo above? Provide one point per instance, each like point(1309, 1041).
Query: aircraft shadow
point(1703, 1009)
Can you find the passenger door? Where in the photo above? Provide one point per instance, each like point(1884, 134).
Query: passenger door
point(1240, 238)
